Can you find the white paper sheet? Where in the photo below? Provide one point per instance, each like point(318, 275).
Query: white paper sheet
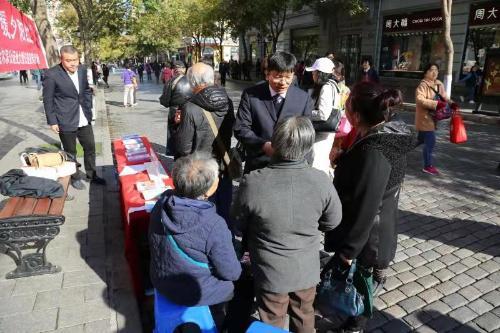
point(148, 206)
point(132, 169)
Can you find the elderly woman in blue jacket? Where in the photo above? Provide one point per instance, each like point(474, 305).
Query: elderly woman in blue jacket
point(193, 261)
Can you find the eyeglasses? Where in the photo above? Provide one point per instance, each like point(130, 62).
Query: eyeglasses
point(287, 78)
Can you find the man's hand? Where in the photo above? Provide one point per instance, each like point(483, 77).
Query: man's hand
point(55, 128)
point(268, 149)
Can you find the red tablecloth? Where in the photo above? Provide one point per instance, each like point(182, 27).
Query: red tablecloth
point(135, 224)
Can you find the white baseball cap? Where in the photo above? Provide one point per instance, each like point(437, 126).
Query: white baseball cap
point(324, 65)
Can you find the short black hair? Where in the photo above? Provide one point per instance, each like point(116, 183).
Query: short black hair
point(429, 65)
point(368, 60)
point(281, 62)
point(68, 49)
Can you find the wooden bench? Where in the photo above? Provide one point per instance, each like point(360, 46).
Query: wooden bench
point(31, 223)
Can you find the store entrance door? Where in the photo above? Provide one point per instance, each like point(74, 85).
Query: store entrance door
point(350, 54)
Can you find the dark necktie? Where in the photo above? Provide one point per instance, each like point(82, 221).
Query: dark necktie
point(278, 103)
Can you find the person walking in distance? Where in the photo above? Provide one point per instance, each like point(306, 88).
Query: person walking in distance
point(67, 99)
point(128, 85)
point(105, 74)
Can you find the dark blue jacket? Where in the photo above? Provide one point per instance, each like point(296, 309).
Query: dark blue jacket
point(257, 118)
point(192, 256)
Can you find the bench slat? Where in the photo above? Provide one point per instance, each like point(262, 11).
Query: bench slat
point(10, 207)
point(42, 206)
point(26, 207)
point(57, 204)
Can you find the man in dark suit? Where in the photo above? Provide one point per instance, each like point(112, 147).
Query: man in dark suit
point(67, 99)
point(264, 105)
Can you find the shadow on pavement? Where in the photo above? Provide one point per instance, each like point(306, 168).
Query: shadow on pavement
point(468, 234)
point(102, 247)
point(29, 129)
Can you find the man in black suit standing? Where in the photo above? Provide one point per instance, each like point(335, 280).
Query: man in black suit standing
point(67, 99)
point(264, 105)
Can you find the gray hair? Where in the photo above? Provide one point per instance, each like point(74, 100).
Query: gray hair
point(200, 74)
point(194, 174)
point(69, 49)
point(293, 138)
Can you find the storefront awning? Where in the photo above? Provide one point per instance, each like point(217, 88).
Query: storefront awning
point(21, 47)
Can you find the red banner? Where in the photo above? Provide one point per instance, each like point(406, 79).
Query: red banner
point(20, 45)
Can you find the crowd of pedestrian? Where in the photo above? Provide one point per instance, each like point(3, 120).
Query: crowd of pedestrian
point(326, 162)
point(303, 181)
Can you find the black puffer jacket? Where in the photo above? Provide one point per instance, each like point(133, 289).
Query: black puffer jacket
point(194, 133)
point(368, 179)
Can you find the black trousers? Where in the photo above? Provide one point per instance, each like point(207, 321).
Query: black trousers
point(85, 136)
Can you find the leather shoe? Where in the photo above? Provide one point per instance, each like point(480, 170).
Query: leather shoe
point(98, 180)
point(77, 184)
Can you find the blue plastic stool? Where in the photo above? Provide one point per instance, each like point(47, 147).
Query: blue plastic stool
point(169, 315)
point(260, 327)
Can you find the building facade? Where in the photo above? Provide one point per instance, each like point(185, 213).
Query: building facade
point(398, 37)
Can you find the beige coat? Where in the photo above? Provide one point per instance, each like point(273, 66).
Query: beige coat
point(425, 103)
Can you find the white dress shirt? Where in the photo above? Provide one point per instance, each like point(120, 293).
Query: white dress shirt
point(82, 119)
point(271, 90)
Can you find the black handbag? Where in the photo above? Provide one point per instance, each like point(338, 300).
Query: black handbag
point(339, 295)
point(333, 122)
point(329, 125)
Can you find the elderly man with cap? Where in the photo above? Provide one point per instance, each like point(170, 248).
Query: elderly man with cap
point(176, 92)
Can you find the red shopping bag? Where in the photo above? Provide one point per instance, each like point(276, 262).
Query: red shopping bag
point(458, 134)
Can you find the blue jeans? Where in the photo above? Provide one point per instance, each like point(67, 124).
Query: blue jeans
point(428, 138)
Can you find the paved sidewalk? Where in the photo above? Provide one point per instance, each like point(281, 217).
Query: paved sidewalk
point(93, 292)
point(446, 274)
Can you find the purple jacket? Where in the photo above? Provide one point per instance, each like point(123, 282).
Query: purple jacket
point(127, 76)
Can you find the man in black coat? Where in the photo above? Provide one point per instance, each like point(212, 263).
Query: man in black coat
point(195, 134)
point(67, 99)
point(264, 105)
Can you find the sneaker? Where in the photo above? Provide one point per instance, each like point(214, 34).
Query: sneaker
point(472, 102)
point(134, 105)
point(77, 184)
point(125, 106)
point(431, 170)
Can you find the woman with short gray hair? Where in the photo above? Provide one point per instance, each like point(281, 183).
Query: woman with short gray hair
point(193, 261)
point(281, 210)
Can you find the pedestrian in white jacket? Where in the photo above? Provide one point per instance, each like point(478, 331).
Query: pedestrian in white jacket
point(326, 97)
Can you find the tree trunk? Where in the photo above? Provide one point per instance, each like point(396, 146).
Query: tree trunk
point(39, 8)
point(448, 78)
point(245, 48)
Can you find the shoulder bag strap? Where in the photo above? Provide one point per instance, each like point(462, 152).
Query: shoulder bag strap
point(176, 80)
point(215, 131)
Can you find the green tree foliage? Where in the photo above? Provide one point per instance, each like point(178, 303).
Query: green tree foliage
point(98, 18)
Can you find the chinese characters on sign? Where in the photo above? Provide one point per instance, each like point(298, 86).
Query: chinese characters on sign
point(484, 13)
point(415, 21)
point(13, 28)
point(19, 40)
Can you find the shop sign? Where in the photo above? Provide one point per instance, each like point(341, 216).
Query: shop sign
point(426, 20)
point(484, 13)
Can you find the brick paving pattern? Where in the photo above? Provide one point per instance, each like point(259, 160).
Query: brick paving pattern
point(445, 276)
point(446, 273)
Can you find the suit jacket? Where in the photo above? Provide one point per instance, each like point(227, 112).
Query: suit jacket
point(257, 118)
point(61, 100)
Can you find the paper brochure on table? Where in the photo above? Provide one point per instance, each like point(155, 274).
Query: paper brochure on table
point(132, 169)
point(148, 206)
